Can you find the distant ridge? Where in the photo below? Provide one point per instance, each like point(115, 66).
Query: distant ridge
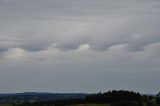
point(38, 96)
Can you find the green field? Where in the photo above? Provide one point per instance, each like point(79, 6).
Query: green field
point(91, 105)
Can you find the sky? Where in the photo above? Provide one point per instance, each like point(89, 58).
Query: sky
point(79, 45)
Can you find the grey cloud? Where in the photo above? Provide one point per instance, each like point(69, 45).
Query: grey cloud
point(100, 34)
point(24, 10)
point(96, 38)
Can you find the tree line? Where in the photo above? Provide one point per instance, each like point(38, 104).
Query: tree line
point(114, 98)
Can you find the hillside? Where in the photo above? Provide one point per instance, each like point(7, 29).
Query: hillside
point(36, 96)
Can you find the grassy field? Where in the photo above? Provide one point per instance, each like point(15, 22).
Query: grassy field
point(5, 105)
point(91, 105)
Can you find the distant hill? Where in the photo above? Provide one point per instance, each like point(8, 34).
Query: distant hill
point(38, 96)
point(150, 95)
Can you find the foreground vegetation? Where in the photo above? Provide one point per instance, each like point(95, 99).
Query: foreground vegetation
point(91, 105)
point(5, 104)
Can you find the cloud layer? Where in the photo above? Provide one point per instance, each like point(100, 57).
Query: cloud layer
point(102, 37)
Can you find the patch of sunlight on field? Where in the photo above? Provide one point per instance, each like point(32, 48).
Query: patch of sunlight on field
point(91, 105)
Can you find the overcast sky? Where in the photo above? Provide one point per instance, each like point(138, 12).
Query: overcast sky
point(79, 45)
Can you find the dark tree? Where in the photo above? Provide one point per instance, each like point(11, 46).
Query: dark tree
point(114, 96)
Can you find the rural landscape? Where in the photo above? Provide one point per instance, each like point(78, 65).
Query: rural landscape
point(110, 98)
